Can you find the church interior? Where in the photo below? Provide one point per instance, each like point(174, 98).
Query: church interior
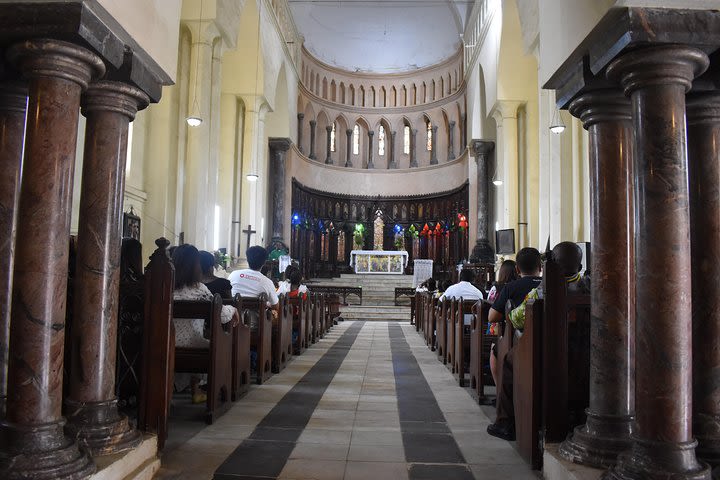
point(360, 239)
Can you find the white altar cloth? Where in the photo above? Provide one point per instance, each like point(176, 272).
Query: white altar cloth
point(379, 261)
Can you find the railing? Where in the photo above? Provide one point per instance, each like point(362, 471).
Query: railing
point(477, 27)
point(336, 290)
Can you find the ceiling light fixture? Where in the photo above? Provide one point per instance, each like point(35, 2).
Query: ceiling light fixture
point(557, 126)
point(195, 117)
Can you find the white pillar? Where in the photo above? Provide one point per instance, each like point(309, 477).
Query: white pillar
point(505, 113)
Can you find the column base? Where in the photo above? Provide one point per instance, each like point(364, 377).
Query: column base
point(41, 452)
point(100, 428)
point(659, 460)
point(348, 165)
point(483, 252)
point(393, 165)
point(313, 157)
point(599, 442)
point(706, 429)
point(371, 166)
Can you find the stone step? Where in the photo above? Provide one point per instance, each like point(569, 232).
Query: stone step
point(375, 309)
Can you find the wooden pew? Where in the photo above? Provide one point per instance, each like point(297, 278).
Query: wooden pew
point(480, 343)
point(158, 345)
point(260, 338)
point(309, 312)
point(548, 395)
point(431, 321)
point(442, 309)
point(462, 338)
point(419, 310)
point(298, 309)
point(450, 332)
point(240, 353)
point(216, 360)
point(281, 337)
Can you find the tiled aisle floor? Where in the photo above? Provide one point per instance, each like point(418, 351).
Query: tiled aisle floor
point(339, 418)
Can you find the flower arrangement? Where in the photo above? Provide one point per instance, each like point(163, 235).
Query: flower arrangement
point(399, 237)
point(359, 237)
point(413, 232)
point(222, 259)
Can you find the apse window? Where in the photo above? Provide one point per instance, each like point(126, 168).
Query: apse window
point(429, 136)
point(381, 141)
point(406, 140)
point(332, 138)
point(356, 140)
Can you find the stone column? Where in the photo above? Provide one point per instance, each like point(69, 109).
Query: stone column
point(13, 99)
point(413, 148)
point(370, 164)
point(483, 251)
point(463, 131)
point(433, 150)
point(91, 406)
point(505, 113)
point(703, 116)
point(607, 117)
point(328, 156)
point(35, 445)
point(300, 117)
point(451, 141)
point(393, 162)
point(278, 153)
point(313, 125)
point(348, 161)
point(657, 79)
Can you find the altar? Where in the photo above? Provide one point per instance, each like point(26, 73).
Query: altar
point(379, 261)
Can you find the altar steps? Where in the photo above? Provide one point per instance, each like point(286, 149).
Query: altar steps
point(378, 302)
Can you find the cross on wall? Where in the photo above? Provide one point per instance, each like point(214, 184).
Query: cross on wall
point(249, 232)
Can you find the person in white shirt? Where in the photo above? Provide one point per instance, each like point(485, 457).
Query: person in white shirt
point(250, 282)
point(464, 288)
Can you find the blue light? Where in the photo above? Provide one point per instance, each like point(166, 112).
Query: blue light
point(295, 219)
point(398, 228)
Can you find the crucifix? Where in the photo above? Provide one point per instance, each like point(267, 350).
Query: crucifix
point(249, 233)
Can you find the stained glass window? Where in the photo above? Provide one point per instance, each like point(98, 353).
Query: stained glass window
point(381, 141)
point(429, 136)
point(406, 140)
point(356, 140)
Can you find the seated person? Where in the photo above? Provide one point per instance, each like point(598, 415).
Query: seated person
point(429, 285)
point(250, 283)
point(464, 289)
point(215, 284)
point(529, 265)
point(285, 286)
point(506, 274)
point(296, 290)
point(190, 333)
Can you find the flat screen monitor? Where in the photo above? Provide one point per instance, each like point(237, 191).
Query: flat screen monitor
point(505, 241)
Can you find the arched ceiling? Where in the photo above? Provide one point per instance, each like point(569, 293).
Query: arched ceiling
point(381, 36)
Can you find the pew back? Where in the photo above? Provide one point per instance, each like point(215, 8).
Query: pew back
point(260, 337)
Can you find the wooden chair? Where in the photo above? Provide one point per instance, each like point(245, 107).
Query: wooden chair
point(441, 336)
point(260, 338)
point(462, 338)
point(480, 343)
point(550, 397)
point(281, 337)
point(216, 360)
point(158, 345)
point(298, 309)
point(240, 353)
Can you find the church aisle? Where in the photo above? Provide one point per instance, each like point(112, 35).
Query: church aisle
point(369, 401)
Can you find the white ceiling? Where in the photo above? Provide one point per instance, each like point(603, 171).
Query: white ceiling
point(382, 36)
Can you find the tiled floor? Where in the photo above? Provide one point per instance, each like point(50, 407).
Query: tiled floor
point(370, 402)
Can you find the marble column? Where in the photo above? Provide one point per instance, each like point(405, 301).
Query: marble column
point(328, 142)
point(393, 162)
point(606, 114)
point(13, 99)
point(463, 131)
point(349, 134)
point(656, 79)
point(91, 406)
point(300, 117)
point(34, 444)
point(278, 153)
point(433, 150)
point(413, 148)
point(313, 125)
point(483, 251)
point(451, 141)
point(703, 117)
point(371, 163)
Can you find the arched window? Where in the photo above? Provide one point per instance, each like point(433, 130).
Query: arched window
point(381, 141)
point(356, 140)
point(429, 136)
point(406, 140)
point(332, 137)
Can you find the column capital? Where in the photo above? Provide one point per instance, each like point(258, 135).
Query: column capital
point(118, 97)
point(300, 116)
point(481, 148)
point(328, 128)
point(279, 144)
point(55, 58)
point(348, 132)
point(505, 109)
point(13, 97)
point(371, 133)
point(658, 65)
point(703, 108)
point(314, 122)
point(598, 106)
